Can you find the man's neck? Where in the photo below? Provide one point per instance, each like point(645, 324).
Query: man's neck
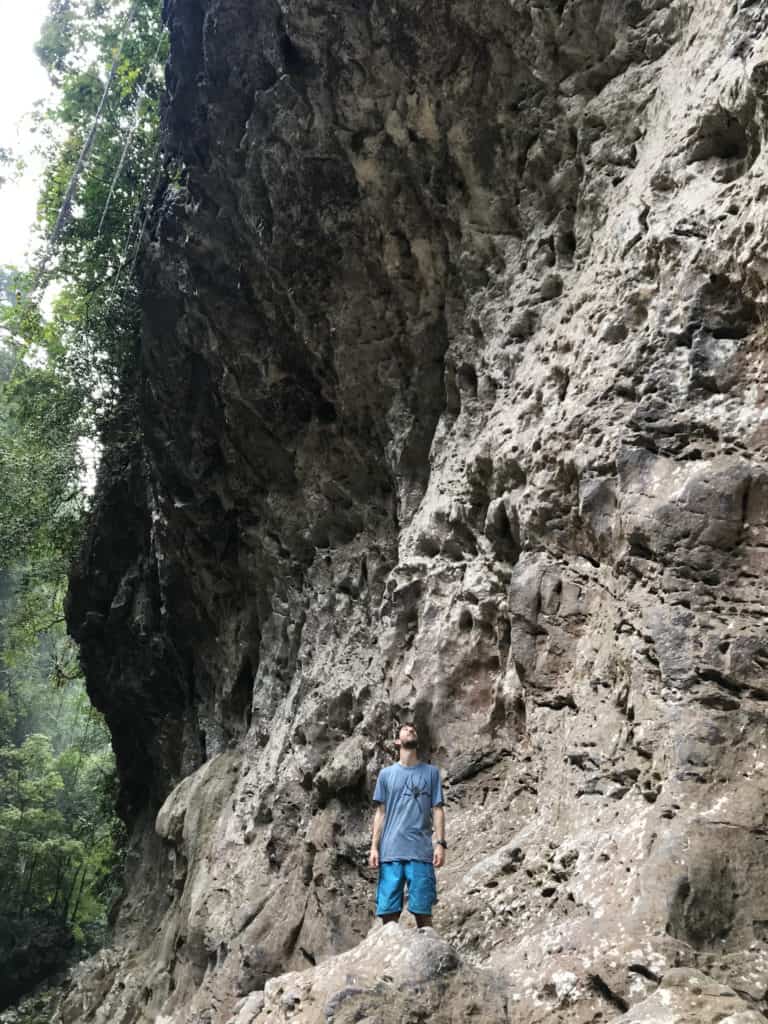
point(408, 758)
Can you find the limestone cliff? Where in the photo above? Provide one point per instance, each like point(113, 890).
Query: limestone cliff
point(453, 407)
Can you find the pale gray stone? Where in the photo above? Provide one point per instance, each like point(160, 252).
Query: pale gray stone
point(453, 410)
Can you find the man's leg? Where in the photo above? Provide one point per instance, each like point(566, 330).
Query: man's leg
point(389, 894)
point(422, 891)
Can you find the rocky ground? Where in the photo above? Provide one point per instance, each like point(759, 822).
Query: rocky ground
point(453, 409)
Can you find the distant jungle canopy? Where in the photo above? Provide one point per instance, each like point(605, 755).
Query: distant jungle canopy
point(69, 328)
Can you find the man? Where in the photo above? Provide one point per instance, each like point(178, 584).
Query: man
point(408, 795)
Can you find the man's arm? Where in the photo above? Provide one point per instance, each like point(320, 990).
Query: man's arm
point(438, 819)
point(378, 824)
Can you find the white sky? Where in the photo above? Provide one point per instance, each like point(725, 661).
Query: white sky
point(22, 81)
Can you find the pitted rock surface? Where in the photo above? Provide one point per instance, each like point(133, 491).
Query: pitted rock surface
point(687, 995)
point(453, 408)
point(392, 975)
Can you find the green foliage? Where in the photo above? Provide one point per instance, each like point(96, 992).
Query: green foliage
point(60, 845)
point(68, 342)
point(70, 327)
point(40, 465)
point(58, 39)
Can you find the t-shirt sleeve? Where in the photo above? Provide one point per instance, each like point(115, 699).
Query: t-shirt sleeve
point(380, 793)
point(437, 788)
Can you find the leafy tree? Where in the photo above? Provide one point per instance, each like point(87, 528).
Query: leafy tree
point(60, 844)
point(68, 340)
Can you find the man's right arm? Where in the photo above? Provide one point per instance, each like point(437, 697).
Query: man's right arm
point(378, 824)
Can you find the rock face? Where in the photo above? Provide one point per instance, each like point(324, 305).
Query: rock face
point(393, 976)
point(453, 409)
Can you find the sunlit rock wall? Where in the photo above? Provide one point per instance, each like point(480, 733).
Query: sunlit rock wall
point(453, 408)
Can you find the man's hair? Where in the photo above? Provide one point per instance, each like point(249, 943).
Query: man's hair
point(405, 725)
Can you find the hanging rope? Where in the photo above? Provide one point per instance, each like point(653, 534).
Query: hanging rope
point(144, 203)
point(65, 210)
point(142, 93)
point(147, 215)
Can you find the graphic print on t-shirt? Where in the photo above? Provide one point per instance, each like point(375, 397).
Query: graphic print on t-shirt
point(417, 788)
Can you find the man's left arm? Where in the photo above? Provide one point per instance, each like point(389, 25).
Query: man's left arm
point(438, 820)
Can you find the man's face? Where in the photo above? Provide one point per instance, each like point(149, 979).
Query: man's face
point(407, 738)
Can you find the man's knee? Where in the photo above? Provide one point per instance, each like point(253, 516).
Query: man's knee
point(386, 918)
point(423, 920)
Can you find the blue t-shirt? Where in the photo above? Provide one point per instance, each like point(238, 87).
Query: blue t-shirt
point(408, 795)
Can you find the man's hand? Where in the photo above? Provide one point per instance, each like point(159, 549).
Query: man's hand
point(373, 859)
point(439, 856)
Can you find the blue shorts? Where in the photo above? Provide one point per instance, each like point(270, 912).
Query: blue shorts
point(422, 888)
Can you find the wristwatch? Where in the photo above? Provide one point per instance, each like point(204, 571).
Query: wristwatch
point(441, 842)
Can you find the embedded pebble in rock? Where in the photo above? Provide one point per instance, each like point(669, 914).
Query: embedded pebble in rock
point(453, 408)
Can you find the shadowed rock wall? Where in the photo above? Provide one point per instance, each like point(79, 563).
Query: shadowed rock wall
point(453, 407)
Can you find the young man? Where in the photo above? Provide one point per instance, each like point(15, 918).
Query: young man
point(408, 795)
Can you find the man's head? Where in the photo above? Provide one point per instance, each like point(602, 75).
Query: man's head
point(407, 737)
